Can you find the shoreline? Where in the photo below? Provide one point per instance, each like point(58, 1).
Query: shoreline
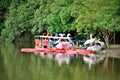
point(115, 48)
point(113, 51)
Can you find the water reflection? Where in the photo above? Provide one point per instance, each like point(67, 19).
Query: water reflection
point(15, 65)
point(61, 58)
point(92, 59)
point(45, 55)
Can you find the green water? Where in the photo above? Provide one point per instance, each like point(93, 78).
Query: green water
point(15, 65)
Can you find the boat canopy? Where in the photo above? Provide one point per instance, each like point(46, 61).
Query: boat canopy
point(54, 37)
point(69, 39)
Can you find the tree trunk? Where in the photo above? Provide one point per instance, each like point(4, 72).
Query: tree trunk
point(107, 35)
point(106, 41)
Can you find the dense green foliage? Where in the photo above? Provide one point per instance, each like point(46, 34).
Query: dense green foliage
point(4, 4)
point(101, 17)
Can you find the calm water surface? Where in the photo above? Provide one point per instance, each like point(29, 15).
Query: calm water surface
point(15, 65)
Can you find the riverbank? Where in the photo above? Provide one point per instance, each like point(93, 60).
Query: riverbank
point(113, 49)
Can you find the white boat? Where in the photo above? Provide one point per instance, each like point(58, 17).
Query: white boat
point(93, 44)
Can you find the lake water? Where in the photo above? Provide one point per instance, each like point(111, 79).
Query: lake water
point(15, 65)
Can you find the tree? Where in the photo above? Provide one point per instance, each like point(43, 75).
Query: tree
point(108, 19)
point(55, 16)
point(99, 17)
point(4, 4)
point(18, 22)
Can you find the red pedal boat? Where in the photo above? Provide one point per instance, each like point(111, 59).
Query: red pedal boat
point(46, 50)
point(41, 40)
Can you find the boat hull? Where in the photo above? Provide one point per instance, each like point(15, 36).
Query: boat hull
point(46, 50)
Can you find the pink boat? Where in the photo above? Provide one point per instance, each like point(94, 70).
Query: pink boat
point(65, 46)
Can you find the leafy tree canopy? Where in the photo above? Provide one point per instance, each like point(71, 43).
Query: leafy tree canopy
point(101, 17)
